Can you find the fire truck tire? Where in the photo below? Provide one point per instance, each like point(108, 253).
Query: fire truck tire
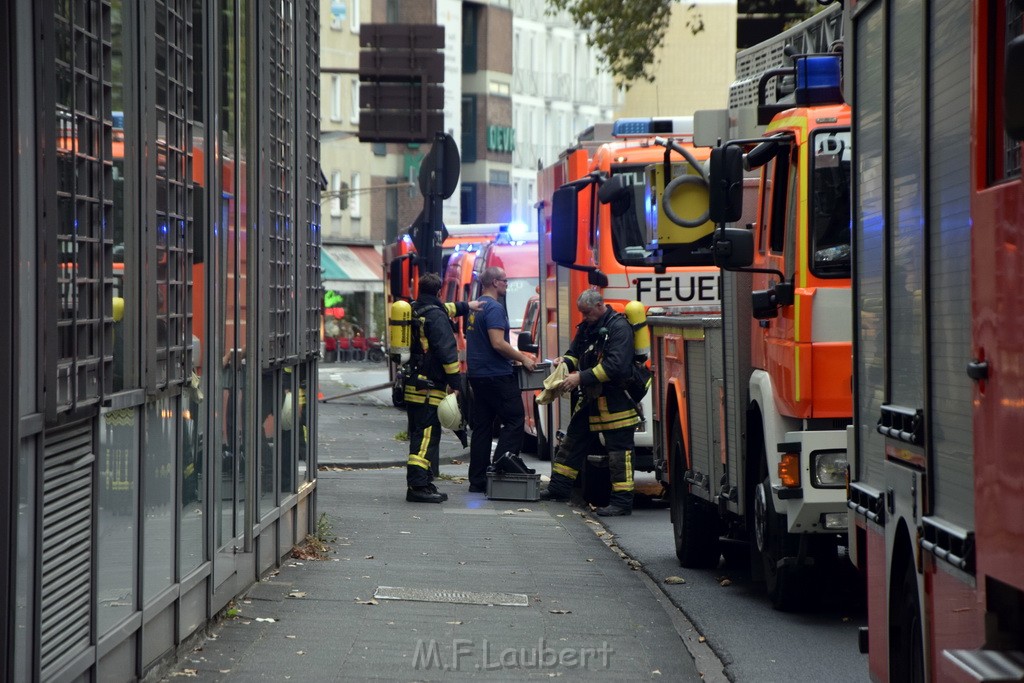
point(694, 522)
point(906, 648)
point(783, 582)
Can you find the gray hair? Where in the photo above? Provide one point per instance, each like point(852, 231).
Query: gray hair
point(589, 298)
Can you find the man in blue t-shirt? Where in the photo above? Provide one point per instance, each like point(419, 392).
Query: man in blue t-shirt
point(492, 379)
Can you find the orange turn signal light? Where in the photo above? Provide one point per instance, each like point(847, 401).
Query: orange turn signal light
point(789, 470)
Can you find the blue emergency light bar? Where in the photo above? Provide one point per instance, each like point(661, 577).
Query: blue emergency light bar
point(648, 127)
point(818, 80)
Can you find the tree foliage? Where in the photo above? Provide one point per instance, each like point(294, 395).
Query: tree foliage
point(626, 33)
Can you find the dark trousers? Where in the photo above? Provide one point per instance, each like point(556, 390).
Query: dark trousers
point(424, 443)
point(493, 397)
point(579, 442)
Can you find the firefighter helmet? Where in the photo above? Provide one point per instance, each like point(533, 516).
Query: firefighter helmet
point(448, 413)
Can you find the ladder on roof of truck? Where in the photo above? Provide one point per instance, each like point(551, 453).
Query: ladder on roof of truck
point(814, 35)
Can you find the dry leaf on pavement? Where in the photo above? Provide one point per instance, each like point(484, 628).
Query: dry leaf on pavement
point(674, 580)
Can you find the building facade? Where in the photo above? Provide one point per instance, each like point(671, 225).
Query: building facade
point(162, 291)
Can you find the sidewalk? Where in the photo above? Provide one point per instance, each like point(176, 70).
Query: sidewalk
point(359, 431)
point(495, 589)
point(586, 613)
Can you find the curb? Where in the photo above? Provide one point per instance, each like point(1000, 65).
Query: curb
point(382, 464)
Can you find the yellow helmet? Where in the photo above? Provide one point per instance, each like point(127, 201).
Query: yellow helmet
point(448, 413)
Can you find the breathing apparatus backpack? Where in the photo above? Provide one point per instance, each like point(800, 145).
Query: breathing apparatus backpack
point(640, 377)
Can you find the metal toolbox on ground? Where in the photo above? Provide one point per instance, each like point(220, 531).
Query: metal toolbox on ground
point(533, 380)
point(501, 486)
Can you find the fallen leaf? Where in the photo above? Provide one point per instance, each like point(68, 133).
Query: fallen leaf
point(725, 582)
point(674, 580)
point(509, 512)
point(297, 594)
point(368, 557)
point(560, 611)
point(300, 652)
point(634, 564)
point(656, 672)
point(702, 639)
point(371, 601)
point(590, 559)
point(524, 510)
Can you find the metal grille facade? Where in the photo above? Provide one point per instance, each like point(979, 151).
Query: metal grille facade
point(81, 265)
point(123, 165)
point(277, 231)
point(311, 287)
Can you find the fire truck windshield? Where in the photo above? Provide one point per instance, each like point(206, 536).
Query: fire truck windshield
point(629, 217)
point(831, 155)
point(519, 291)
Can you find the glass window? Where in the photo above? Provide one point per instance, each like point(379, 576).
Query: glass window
point(831, 155)
point(518, 294)
point(354, 202)
point(158, 487)
point(269, 439)
point(116, 539)
point(335, 98)
point(354, 99)
point(336, 194)
point(353, 15)
point(628, 216)
point(777, 225)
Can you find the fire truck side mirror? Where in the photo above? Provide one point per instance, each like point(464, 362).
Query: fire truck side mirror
point(596, 278)
point(761, 155)
point(725, 187)
point(612, 190)
point(733, 248)
point(395, 277)
point(1013, 95)
point(525, 343)
point(564, 215)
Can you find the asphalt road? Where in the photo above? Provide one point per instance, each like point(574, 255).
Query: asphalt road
point(753, 641)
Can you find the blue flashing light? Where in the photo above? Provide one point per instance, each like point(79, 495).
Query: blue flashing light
point(819, 80)
point(503, 236)
point(647, 126)
point(518, 231)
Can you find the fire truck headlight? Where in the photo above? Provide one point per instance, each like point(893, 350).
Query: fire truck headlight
point(829, 469)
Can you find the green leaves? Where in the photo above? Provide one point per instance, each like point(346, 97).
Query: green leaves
point(626, 34)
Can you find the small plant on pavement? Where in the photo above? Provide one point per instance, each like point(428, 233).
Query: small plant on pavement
point(402, 436)
point(316, 545)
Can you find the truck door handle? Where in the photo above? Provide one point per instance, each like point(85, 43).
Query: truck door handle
point(977, 370)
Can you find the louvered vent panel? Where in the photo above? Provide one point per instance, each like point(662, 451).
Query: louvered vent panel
point(67, 542)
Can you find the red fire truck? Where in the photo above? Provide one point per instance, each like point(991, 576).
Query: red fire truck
point(602, 242)
point(938, 226)
point(751, 405)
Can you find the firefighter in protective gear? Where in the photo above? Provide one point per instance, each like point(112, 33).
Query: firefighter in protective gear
point(600, 361)
point(434, 365)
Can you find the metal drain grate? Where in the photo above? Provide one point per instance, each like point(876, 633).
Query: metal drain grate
point(455, 597)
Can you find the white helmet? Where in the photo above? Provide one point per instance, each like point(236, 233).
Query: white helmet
point(448, 413)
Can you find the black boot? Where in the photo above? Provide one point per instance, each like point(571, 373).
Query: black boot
point(620, 505)
point(422, 494)
point(433, 489)
point(511, 463)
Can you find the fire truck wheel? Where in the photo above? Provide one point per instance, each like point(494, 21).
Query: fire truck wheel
point(906, 649)
point(783, 582)
point(694, 522)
